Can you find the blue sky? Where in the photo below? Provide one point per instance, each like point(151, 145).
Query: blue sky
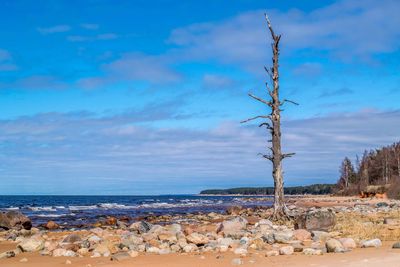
point(140, 97)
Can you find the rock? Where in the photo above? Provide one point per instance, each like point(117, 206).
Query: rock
point(83, 251)
point(396, 245)
point(59, 252)
point(382, 205)
point(320, 236)
point(154, 250)
point(236, 261)
point(102, 249)
point(72, 238)
point(227, 241)
point(301, 234)
point(286, 250)
point(23, 260)
point(94, 239)
point(190, 248)
point(232, 226)
point(7, 254)
point(348, 243)
point(240, 251)
point(311, 251)
point(69, 253)
point(391, 221)
point(141, 227)
point(257, 244)
point(35, 243)
point(111, 220)
point(322, 220)
point(272, 253)
point(234, 210)
point(133, 253)
point(334, 246)
point(283, 237)
point(68, 262)
point(120, 256)
point(372, 243)
point(14, 220)
point(197, 239)
point(51, 225)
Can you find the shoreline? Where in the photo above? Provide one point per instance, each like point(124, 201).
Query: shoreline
point(240, 235)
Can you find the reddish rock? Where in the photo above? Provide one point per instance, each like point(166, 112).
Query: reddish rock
point(301, 234)
point(51, 225)
point(14, 220)
point(111, 221)
point(234, 210)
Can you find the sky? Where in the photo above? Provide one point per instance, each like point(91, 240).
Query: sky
point(146, 97)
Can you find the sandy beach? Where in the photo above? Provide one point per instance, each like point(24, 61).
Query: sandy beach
point(357, 220)
point(357, 258)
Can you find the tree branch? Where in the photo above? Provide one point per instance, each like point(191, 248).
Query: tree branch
point(265, 156)
point(289, 101)
point(268, 103)
point(257, 117)
point(266, 124)
point(288, 155)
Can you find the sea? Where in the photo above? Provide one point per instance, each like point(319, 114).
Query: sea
point(75, 211)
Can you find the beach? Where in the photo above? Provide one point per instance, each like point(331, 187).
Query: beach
point(362, 232)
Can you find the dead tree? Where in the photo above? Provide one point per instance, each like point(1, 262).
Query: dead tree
point(272, 122)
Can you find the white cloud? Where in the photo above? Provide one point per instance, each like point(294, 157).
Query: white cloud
point(54, 29)
point(90, 26)
point(348, 30)
point(86, 38)
point(48, 145)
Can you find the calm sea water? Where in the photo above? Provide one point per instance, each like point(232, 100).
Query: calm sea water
point(78, 210)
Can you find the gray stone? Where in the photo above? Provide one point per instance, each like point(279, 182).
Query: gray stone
point(232, 226)
point(318, 236)
point(283, 237)
point(272, 253)
point(334, 246)
point(396, 245)
point(72, 238)
point(372, 243)
point(322, 220)
point(120, 256)
point(311, 251)
point(7, 254)
point(286, 250)
point(197, 239)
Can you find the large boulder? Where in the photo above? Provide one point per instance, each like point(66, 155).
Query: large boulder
point(321, 220)
point(34, 243)
point(232, 226)
point(14, 220)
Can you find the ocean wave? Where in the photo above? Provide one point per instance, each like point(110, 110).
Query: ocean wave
point(12, 208)
point(46, 208)
point(77, 208)
point(55, 215)
point(115, 206)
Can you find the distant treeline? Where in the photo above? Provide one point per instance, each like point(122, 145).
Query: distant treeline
point(375, 167)
point(315, 189)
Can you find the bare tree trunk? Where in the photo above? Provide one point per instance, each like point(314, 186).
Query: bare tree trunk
point(280, 210)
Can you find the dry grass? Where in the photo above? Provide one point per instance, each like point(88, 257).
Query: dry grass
point(368, 226)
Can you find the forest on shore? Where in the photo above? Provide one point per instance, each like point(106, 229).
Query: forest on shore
point(314, 189)
point(377, 167)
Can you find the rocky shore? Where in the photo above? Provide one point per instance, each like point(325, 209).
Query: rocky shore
point(319, 226)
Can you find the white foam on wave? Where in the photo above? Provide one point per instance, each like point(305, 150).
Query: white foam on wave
point(77, 208)
point(42, 208)
point(115, 206)
point(54, 215)
point(12, 208)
